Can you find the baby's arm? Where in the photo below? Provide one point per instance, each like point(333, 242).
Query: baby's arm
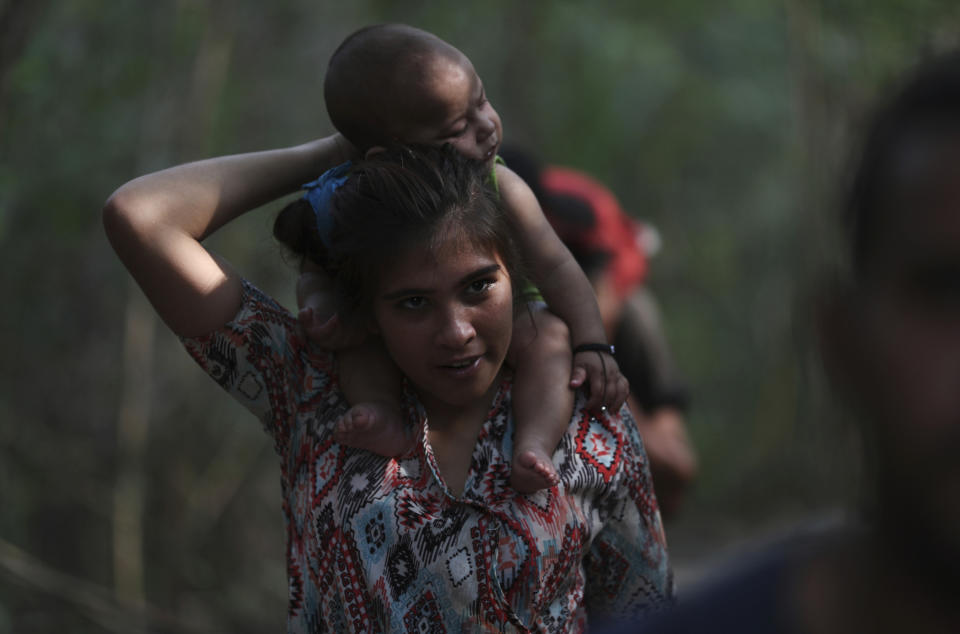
point(567, 291)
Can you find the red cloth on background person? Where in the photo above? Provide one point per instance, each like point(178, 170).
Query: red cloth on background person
point(612, 231)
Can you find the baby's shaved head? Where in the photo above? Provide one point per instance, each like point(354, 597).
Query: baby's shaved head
point(372, 75)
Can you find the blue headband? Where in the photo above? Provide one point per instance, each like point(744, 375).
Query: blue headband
point(320, 192)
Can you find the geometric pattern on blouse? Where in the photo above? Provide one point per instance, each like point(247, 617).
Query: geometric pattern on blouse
point(378, 544)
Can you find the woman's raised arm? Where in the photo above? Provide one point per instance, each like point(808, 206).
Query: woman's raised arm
point(156, 223)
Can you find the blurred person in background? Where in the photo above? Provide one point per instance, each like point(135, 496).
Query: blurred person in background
point(614, 251)
point(889, 335)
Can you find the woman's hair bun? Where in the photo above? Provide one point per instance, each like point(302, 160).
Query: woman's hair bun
point(295, 227)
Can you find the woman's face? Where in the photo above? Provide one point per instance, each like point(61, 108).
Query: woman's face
point(446, 319)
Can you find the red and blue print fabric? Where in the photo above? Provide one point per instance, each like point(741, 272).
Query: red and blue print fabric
point(380, 544)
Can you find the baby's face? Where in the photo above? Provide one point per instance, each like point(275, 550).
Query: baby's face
point(450, 106)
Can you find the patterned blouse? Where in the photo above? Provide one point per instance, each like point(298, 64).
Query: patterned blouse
point(380, 544)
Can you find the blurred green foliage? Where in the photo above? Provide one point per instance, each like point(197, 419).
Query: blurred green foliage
point(725, 124)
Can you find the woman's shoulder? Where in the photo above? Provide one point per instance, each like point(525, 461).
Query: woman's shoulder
point(619, 425)
point(258, 316)
point(262, 334)
point(256, 303)
point(603, 444)
point(262, 359)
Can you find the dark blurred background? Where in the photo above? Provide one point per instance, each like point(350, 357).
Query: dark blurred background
point(135, 496)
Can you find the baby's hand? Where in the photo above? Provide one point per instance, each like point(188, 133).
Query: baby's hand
point(606, 386)
point(331, 334)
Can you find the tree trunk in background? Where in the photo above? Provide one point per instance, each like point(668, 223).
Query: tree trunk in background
point(203, 103)
point(17, 19)
point(811, 104)
point(200, 106)
point(132, 425)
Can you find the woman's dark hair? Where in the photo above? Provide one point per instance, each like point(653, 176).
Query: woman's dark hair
point(928, 102)
point(403, 197)
point(295, 227)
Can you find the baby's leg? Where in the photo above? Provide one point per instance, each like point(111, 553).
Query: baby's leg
point(542, 398)
point(371, 381)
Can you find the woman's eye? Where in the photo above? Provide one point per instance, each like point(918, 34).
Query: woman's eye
point(478, 287)
point(412, 302)
point(457, 133)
